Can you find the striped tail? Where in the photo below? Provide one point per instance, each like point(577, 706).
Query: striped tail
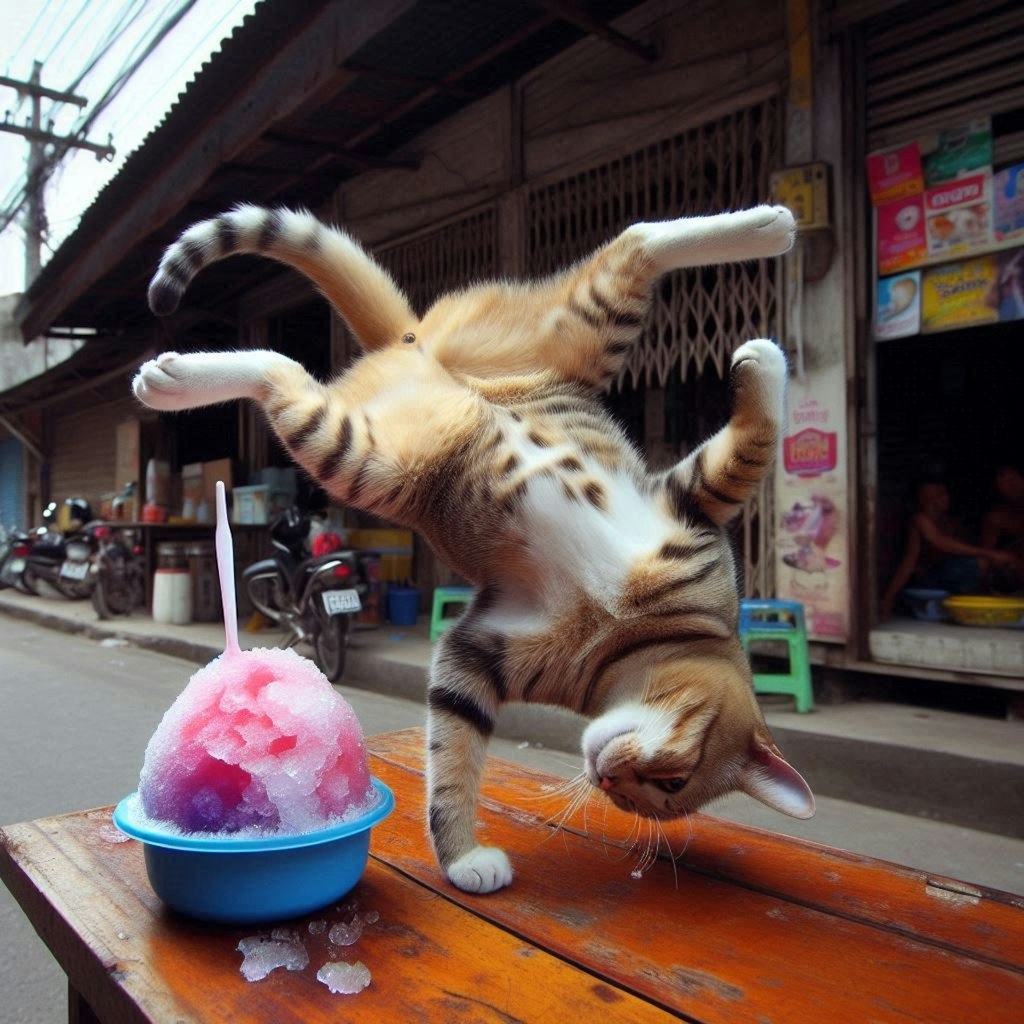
point(358, 288)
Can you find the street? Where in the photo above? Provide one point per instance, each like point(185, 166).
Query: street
point(75, 717)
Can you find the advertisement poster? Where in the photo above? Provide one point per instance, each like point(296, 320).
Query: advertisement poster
point(902, 242)
point(958, 216)
point(958, 152)
point(898, 306)
point(895, 174)
point(1011, 285)
point(1008, 204)
point(960, 294)
point(811, 506)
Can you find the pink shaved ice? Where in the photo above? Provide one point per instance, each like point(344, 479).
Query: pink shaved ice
point(256, 740)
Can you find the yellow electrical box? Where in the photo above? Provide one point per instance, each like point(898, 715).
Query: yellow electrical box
point(806, 190)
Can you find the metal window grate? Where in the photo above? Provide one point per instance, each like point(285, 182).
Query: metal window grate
point(699, 316)
point(450, 257)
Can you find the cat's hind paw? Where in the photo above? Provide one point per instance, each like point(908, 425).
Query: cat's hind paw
point(758, 379)
point(484, 869)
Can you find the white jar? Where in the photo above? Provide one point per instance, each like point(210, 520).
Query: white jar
point(172, 596)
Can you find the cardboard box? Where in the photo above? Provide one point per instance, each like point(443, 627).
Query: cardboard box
point(219, 469)
point(249, 504)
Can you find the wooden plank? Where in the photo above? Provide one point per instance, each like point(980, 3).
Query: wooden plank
point(132, 960)
point(702, 944)
point(987, 923)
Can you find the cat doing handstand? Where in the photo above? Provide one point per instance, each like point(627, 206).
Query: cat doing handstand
point(599, 585)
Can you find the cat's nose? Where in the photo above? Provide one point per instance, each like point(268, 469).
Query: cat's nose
point(609, 782)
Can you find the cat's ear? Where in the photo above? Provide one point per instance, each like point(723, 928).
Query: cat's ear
point(768, 777)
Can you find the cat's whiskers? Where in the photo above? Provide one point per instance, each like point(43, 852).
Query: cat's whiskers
point(579, 791)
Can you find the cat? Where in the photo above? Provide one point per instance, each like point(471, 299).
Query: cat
point(600, 586)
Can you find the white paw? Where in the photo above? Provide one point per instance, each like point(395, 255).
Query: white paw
point(760, 369)
point(173, 381)
point(764, 354)
point(161, 383)
point(483, 869)
point(772, 228)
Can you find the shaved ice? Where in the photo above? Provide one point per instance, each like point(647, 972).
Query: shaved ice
point(257, 740)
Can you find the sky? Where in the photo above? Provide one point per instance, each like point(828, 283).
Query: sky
point(85, 47)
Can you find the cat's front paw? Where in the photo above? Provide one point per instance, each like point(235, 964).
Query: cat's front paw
point(161, 383)
point(772, 229)
point(484, 869)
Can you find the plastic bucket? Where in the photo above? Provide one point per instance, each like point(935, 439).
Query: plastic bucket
point(403, 605)
point(172, 596)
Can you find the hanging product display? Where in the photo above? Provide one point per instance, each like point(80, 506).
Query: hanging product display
point(936, 201)
point(898, 306)
point(960, 294)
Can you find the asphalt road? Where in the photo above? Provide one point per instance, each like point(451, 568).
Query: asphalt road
point(75, 717)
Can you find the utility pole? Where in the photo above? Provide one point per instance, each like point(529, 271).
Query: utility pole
point(35, 220)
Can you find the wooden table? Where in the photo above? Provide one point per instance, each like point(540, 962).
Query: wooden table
point(749, 927)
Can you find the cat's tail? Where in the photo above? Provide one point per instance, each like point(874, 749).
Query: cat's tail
point(357, 287)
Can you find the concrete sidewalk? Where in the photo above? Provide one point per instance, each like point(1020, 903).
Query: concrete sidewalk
point(959, 769)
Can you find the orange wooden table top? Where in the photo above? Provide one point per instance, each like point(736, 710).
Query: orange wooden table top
point(747, 926)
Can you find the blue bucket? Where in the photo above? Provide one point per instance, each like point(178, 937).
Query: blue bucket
point(403, 605)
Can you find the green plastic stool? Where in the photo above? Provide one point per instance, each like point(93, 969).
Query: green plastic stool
point(780, 620)
point(444, 596)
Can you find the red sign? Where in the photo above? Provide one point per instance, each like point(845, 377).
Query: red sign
point(895, 174)
point(810, 452)
point(961, 192)
point(902, 242)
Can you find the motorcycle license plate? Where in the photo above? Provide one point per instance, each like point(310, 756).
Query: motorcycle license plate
point(340, 602)
point(74, 570)
point(17, 566)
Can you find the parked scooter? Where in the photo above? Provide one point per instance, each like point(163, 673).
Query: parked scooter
point(15, 546)
point(312, 596)
point(118, 572)
point(61, 562)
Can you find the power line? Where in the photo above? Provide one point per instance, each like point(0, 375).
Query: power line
point(124, 125)
point(25, 38)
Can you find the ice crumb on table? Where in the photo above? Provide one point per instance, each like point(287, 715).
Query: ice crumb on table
point(343, 934)
point(265, 953)
point(344, 978)
point(317, 927)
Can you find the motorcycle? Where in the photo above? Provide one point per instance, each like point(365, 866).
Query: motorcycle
point(118, 573)
point(14, 551)
point(63, 562)
point(311, 595)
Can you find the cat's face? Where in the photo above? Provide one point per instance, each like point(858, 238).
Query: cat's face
point(692, 734)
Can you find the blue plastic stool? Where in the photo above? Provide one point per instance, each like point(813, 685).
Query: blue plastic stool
point(444, 596)
point(764, 619)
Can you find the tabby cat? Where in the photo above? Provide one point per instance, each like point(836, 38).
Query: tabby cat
point(600, 586)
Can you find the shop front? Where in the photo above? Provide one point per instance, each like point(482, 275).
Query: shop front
point(941, 187)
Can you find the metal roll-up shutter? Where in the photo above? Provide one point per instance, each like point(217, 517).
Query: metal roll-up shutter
point(933, 66)
point(84, 451)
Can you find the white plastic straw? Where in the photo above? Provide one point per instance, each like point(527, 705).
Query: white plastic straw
point(226, 572)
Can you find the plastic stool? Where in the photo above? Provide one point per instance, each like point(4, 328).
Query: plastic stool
point(444, 596)
point(780, 620)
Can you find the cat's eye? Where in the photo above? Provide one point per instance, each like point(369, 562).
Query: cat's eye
point(408, 339)
point(670, 785)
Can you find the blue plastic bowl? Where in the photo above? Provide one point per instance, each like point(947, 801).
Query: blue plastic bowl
point(245, 880)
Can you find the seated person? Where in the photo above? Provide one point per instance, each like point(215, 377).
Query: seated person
point(935, 557)
point(1003, 529)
